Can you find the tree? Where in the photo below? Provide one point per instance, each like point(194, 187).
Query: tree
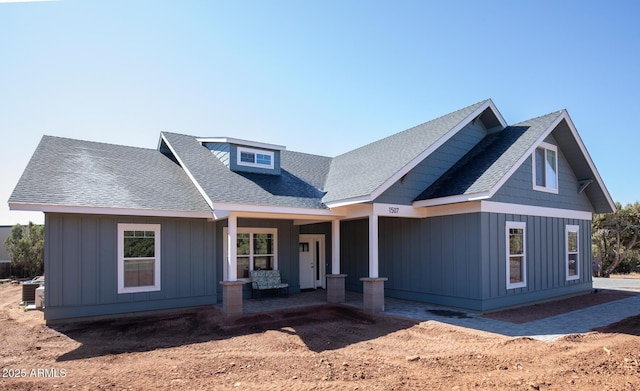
point(25, 247)
point(616, 236)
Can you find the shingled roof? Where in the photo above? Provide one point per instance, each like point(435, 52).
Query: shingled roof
point(482, 168)
point(360, 172)
point(67, 172)
point(297, 186)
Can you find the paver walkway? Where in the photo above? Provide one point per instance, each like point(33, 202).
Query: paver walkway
point(548, 329)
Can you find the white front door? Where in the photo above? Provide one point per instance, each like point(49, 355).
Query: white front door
point(312, 261)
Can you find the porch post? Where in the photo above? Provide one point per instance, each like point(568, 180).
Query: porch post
point(373, 286)
point(335, 280)
point(231, 287)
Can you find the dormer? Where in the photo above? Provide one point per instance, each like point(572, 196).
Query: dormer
point(244, 155)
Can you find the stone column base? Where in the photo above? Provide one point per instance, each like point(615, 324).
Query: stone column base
point(335, 288)
point(232, 297)
point(373, 293)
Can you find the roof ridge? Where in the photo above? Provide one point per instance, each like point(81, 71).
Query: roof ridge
point(75, 140)
point(477, 104)
point(556, 113)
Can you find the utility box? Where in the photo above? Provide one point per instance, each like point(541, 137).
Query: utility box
point(40, 297)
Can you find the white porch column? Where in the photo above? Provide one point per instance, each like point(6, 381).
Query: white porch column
point(335, 246)
point(231, 287)
point(232, 252)
point(373, 286)
point(335, 280)
point(373, 245)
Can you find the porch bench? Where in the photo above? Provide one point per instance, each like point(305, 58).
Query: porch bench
point(267, 280)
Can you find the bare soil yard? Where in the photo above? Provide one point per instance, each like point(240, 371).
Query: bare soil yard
point(323, 348)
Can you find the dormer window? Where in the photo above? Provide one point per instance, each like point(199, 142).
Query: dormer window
point(545, 168)
point(255, 157)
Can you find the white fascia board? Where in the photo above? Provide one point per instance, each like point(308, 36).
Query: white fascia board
point(108, 211)
point(347, 202)
point(413, 163)
point(587, 157)
point(393, 210)
point(505, 208)
point(453, 199)
point(275, 212)
point(186, 170)
point(238, 141)
point(530, 210)
point(355, 211)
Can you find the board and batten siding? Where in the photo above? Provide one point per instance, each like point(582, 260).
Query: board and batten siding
point(518, 189)
point(435, 260)
point(81, 266)
point(433, 166)
point(460, 260)
point(546, 260)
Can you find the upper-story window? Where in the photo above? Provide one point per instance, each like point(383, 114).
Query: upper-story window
point(545, 168)
point(255, 157)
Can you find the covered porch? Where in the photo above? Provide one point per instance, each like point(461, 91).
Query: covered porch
point(234, 278)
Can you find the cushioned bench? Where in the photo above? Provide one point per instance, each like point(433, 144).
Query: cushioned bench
point(267, 280)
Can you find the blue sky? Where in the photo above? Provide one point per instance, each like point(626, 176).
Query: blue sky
point(321, 77)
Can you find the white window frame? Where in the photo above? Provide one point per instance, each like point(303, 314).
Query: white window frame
point(546, 188)
point(568, 229)
point(250, 231)
point(523, 226)
point(255, 153)
point(157, 263)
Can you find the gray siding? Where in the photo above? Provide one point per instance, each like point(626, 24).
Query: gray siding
point(354, 252)
point(519, 188)
point(431, 168)
point(288, 237)
point(222, 151)
point(435, 260)
point(460, 260)
point(81, 266)
point(546, 259)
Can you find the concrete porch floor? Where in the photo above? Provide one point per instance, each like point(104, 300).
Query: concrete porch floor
point(548, 329)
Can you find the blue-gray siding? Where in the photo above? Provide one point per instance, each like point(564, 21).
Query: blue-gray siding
point(460, 260)
point(431, 168)
point(222, 151)
point(81, 266)
point(518, 189)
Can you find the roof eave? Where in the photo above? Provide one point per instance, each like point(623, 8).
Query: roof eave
point(74, 209)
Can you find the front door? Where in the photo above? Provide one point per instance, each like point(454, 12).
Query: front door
point(312, 261)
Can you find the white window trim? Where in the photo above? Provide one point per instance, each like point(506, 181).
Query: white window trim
point(138, 227)
point(255, 152)
point(250, 231)
point(576, 229)
point(551, 147)
point(523, 226)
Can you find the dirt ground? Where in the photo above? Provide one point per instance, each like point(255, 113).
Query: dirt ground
point(327, 347)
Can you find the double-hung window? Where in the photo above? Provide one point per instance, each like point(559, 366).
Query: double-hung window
point(573, 252)
point(516, 254)
point(545, 168)
point(138, 258)
point(256, 250)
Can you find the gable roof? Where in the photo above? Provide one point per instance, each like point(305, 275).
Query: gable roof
point(364, 173)
point(296, 187)
point(484, 169)
point(65, 173)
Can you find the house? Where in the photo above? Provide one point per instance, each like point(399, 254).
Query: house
point(464, 210)
point(5, 261)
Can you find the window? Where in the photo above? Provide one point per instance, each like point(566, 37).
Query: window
point(573, 252)
point(256, 250)
point(516, 255)
point(138, 258)
point(545, 168)
point(255, 157)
